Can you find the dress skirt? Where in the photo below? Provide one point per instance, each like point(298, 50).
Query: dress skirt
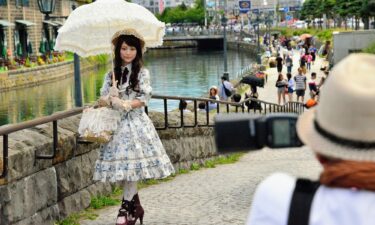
point(135, 152)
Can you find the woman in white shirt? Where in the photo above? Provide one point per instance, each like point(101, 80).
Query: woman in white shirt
point(340, 130)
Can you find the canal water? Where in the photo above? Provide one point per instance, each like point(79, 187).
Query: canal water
point(182, 72)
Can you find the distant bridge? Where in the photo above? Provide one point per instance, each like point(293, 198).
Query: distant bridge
point(204, 40)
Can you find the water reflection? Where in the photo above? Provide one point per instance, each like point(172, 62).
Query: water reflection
point(184, 72)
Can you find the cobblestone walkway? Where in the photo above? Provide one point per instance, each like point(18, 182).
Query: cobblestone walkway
point(216, 196)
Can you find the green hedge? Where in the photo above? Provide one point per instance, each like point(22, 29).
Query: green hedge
point(322, 35)
point(370, 49)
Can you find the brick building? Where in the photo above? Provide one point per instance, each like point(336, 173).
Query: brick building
point(23, 26)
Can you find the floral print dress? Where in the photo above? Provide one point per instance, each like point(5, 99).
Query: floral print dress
point(135, 152)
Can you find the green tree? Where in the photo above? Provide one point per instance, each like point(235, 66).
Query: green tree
point(367, 11)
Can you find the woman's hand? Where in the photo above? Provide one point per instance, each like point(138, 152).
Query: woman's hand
point(104, 101)
point(121, 104)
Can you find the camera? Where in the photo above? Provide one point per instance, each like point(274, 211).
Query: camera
point(239, 132)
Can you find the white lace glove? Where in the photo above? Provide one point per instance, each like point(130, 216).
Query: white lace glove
point(104, 101)
point(121, 104)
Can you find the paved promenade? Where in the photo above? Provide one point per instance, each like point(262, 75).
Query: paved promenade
point(220, 195)
point(269, 92)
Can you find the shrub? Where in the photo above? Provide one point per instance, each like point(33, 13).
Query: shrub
point(370, 49)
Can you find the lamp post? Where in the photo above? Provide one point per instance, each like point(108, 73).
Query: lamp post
point(48, 7)
point(224, 24)
point(236, 13)
point(269, 21)
point(256, 19)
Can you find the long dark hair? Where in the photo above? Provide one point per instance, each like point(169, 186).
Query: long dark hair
point(136, 64)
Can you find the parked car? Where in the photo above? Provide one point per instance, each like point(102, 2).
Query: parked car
point(299, 24)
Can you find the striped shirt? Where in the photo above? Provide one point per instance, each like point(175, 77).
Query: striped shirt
point(300, 82)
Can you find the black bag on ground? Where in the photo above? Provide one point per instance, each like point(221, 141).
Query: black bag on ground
point(253, 80)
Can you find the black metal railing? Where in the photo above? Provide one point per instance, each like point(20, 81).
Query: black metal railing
point(265, 107)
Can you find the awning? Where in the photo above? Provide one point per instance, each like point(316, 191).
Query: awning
point(52, 23)
point(6, 23)
point(59, 23)
point(25, 22)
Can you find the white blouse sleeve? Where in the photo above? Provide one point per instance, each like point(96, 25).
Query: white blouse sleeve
point(145, 89)
point(106, 84)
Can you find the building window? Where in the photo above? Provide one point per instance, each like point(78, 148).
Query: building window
point(168, 3)
point(3, 2)
point(21, 3)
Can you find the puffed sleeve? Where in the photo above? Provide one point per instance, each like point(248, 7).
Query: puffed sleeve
point(145, 89)
point(106, 84)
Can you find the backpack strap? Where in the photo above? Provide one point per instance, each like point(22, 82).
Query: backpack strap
point(303, 195)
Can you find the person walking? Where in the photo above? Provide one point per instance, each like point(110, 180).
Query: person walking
point(308, 59)
point(300, 81)
point(279, 63)
point(281, 84)
point(289, 63)
point(340, 132)
point(135, 153)
point(226, 89)
point(291, 84)
point(312, 51)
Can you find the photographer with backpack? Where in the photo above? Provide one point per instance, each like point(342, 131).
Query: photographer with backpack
point(340, 131)
point(226, 89)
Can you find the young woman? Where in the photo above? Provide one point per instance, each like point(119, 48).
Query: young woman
point(281, 84)
point(135, 152)
point(213, 94)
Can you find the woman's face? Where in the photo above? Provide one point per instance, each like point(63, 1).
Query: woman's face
point(128, 53)
point(212, 92)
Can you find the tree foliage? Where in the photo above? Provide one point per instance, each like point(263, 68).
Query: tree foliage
point(338, 9)
point(183, 14)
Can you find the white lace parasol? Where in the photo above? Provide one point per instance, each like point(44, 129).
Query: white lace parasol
point(89, 28)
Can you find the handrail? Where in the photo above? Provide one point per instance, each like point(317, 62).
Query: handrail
point(272, 107)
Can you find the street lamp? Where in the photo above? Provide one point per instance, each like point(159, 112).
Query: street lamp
point(269, 21)
point(224, 24)
point(236, 13)
point(48, 7)
point(256, 19)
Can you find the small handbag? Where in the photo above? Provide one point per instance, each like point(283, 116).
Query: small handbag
point(98, 124)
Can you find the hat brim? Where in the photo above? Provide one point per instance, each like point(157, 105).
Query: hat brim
point(322, 145)
point(129, 32)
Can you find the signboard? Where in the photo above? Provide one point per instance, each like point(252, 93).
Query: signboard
point(245, 6)
point(256, 11)
point(289, 17)
point(294, 8)
point(286, 9)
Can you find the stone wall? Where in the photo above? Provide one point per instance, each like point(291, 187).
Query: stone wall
point(345, 43)
point(28, 77)
point(39, 191)
point(243, 46)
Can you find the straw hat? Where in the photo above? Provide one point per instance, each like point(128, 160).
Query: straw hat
point(129, 32)
point(342, 126)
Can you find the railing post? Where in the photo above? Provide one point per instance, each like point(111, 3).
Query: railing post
point(4, 172)
point(195, 113)
point(165, 113)
point(181, 115)
point(55, 143)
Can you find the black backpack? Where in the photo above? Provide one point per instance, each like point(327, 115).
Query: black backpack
point(227, 91)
